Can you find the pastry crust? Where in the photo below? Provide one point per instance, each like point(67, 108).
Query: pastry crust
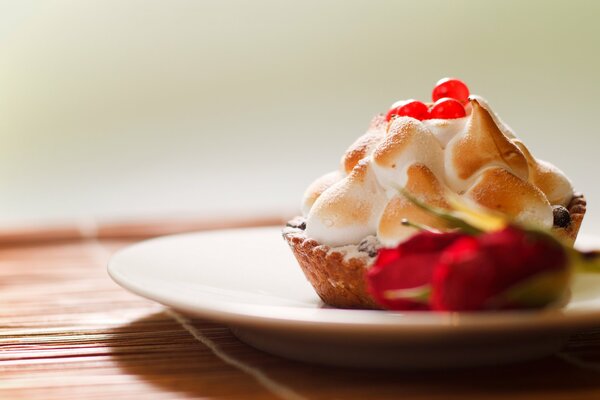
point(337, 278)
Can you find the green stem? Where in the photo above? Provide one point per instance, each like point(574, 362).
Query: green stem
point(419, 294)
point(420, 227)
point(454, 222)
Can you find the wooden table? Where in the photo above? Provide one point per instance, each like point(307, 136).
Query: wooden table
point(68, 332)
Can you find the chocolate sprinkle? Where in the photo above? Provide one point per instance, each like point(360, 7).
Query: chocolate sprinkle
point(369, 246)
point(298, 223)
point(562, 217)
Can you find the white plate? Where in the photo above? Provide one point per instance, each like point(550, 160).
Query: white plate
point(249, 280)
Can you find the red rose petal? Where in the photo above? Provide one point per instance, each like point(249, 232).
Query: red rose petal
point(474, 272)
point(410, 265)
point(463, 277)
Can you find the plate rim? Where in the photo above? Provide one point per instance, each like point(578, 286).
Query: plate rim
point(330, 320)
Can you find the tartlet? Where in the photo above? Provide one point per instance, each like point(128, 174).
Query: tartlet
point(350, 213)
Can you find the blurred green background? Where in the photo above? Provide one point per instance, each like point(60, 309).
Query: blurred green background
point(154, 108)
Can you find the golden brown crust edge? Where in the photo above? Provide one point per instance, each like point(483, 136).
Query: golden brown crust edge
point(338, 280)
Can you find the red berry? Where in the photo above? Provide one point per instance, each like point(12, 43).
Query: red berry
point(447, 108)
point(450, 87)
point(408, 108)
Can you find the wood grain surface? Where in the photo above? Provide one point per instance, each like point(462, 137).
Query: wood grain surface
point(68, 332)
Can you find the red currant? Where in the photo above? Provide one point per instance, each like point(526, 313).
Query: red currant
point(447, 108)
point(450, 87)
point(408, 108)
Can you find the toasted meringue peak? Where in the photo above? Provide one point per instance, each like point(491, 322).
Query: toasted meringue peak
point(551, 180)
point(504, 128)
point(349, 210)
point(427, 188)
point(408, 141)
point(363, 146)
point(403, 133)
point(477, 157)
point(504, 192)
point(481, 144)
point(316, 188)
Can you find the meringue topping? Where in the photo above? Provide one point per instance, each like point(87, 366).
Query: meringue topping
point(477, 157)
point(481, 145)
point(349, 210)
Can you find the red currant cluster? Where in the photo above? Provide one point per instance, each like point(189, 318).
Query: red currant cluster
point(449, 97)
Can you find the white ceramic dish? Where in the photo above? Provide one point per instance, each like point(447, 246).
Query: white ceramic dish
point(249, 280)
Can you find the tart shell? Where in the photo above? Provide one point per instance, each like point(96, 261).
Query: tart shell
point(339, 280)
